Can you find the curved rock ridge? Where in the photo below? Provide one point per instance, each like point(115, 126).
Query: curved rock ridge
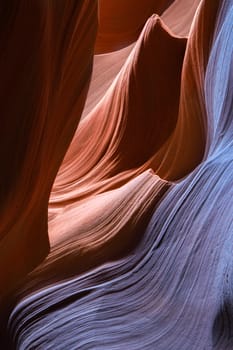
point(134, 108)
point(36, 128)
point(178, 17)
point(120, 21)
point(137, 260)
point(186, 147)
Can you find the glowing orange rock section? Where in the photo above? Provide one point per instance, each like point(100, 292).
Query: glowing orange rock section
point(140, 213)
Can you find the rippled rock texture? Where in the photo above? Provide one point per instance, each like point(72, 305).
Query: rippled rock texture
point(116, 230)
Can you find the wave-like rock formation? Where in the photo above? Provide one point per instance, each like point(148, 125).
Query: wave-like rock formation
point(138, 249)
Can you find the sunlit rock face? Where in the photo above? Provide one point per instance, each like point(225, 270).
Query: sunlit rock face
point(134, 248)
